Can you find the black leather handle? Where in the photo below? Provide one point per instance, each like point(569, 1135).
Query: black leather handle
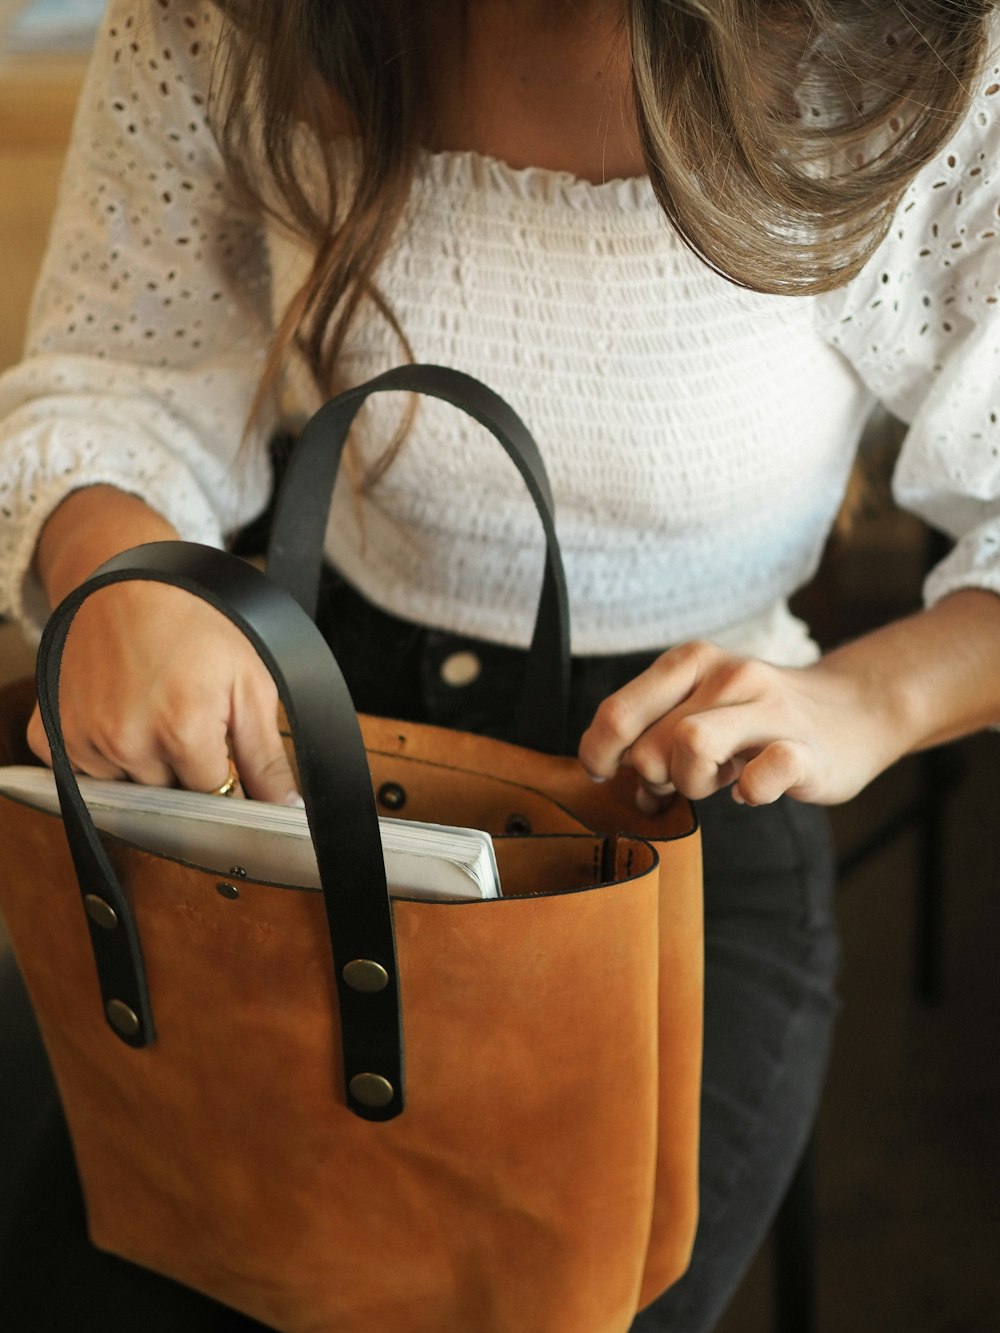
point(302, 512)
point(336, 788)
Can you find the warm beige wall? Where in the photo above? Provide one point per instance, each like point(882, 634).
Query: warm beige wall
point(27, 193)
point(36, 102)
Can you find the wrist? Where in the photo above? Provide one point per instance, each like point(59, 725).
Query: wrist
point(877, 705)
point(88, 527)
point(930, 678)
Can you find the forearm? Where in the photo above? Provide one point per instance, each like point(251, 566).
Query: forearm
point(930, 678)
point(89, 527)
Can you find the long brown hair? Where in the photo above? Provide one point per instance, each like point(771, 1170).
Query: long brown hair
point(778, 135)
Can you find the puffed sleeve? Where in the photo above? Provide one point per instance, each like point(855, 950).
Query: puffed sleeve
point(921, 325)
point(151, 317)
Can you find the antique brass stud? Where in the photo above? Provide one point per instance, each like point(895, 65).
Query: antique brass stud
point(100, 911)
point(371, 1090)
point(392, 796)
point(364, 974)
point(227, 891)
point(122, 1018)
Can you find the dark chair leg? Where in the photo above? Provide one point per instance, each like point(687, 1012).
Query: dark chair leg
point(793, 1241)
point(940, 772)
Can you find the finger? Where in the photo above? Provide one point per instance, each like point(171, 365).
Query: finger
point(230, 783)
point(258, 749)
point(654, 802)
point(193, 748)
point(124, 752)
point(209, 773)
point(696, 753)
point(625, 715)
point(649, 758)
point(707, 750)
point(781, 767)
point(177, 748)
point(84, 757)
point(264, 770)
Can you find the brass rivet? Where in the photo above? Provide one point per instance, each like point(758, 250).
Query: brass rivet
point(227, 890)
point(364, 974)
point(371, 1090)
point(392, 796)
point(122, 1018)
point(237, 872)
point(519, 824)
point(100, 912)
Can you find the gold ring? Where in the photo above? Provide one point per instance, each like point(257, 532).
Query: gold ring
point(231, 783)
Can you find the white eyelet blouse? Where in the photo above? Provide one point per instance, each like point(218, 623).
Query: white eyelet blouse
point(698, 436)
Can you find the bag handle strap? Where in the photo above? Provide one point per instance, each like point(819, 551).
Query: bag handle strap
point(336, 788)
point(302, 512)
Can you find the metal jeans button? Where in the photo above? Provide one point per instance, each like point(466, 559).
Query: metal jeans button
point(460, 669)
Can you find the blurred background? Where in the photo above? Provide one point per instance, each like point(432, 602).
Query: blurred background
point(908, 1148)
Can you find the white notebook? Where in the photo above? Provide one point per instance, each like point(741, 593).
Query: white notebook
point(269, 842)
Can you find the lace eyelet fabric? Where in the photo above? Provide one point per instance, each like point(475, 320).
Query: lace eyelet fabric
point(698, 436)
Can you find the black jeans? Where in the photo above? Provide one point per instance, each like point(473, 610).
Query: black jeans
point(771, 962)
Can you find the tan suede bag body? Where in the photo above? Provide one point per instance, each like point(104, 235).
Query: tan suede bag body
point(341, 1113)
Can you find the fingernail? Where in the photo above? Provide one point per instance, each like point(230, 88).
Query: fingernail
point(596, 778)
point(294, 799)
point(648, 803)
point(738, 796)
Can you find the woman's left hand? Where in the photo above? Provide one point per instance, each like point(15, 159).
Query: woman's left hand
point(700, 719)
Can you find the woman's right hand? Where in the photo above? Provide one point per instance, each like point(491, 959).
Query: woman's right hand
point(156, 686)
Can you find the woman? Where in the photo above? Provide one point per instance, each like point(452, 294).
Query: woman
point(690, 243)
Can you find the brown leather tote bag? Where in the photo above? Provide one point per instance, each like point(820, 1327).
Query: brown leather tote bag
point(232, 1067)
